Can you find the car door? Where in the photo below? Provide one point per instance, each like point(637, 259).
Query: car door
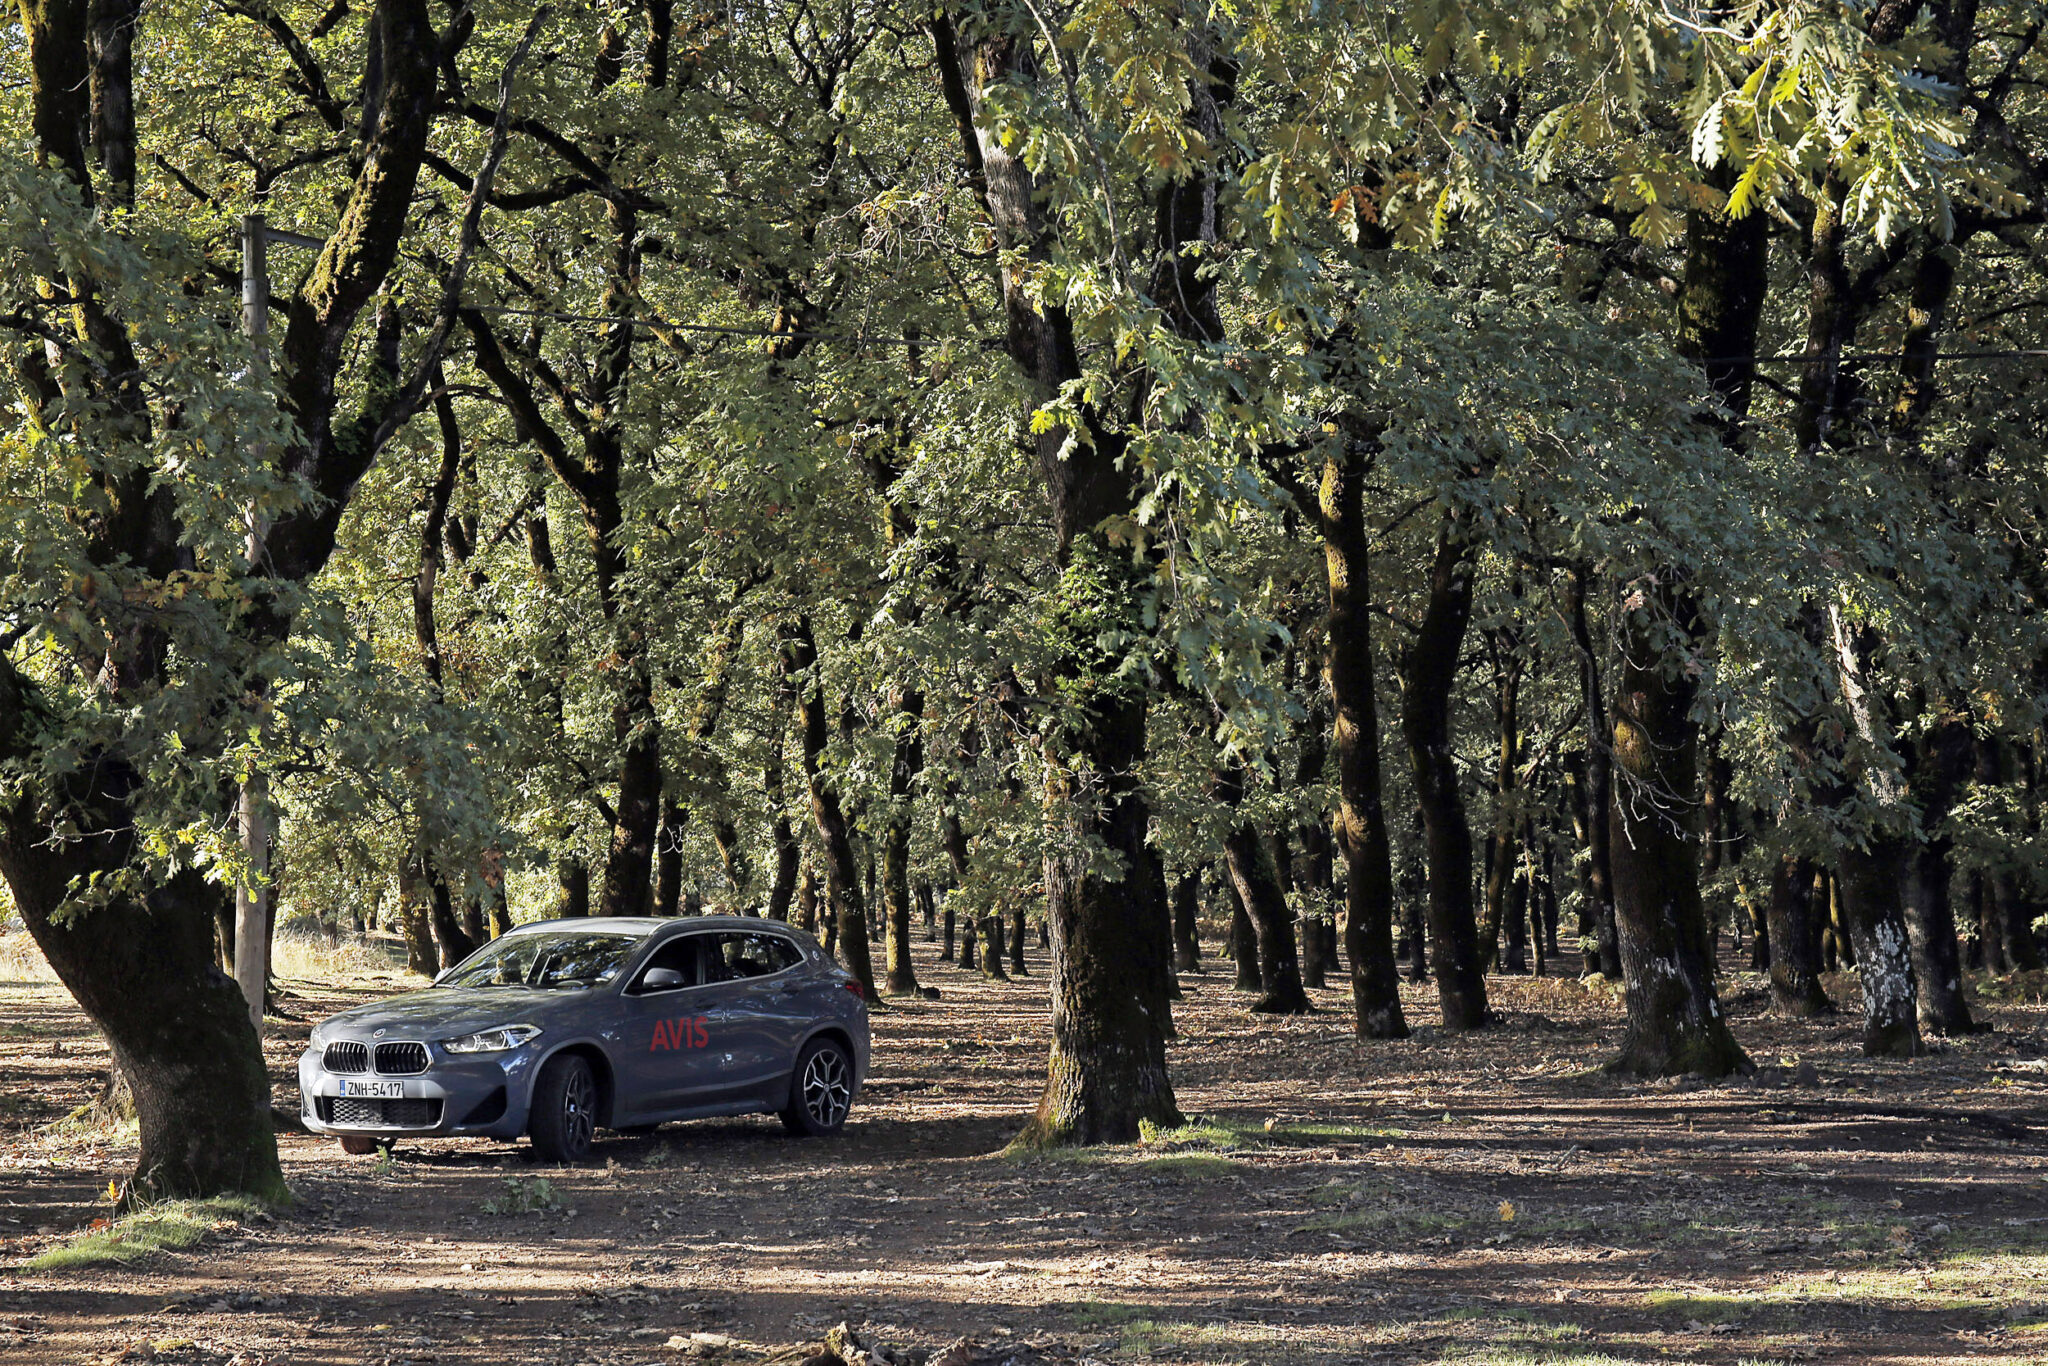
point(756, 1009)
point(670, 1055)
point(780, 995)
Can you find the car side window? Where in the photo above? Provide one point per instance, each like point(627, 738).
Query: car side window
point(680, 956)
point(778, 953)
point(755, 955)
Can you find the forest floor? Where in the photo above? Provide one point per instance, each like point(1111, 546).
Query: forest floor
point(1486, 1199)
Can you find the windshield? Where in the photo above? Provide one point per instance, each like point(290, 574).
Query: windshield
point(564, 958)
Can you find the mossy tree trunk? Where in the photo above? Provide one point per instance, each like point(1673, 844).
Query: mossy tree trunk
point(142, 964)
point(1429, 671)
point(1361, 817)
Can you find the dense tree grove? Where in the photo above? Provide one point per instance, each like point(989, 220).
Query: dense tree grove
point(1460, 487)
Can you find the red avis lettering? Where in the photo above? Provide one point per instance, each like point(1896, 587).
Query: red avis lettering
point(688, 1032)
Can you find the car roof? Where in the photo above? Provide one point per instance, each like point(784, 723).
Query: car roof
point(642, 925)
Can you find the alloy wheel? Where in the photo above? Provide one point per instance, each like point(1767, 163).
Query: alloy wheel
point(827, 1090)
point(579, 1110)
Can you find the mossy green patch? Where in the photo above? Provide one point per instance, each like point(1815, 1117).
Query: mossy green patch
point(167, 1227)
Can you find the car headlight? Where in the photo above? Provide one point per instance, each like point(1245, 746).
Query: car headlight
point(493, 1040)
point(319, 1036)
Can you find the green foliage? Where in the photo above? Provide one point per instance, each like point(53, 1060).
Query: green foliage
point(534, 1195)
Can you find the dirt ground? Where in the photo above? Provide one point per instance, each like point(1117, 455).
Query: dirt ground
point(1474, 1199)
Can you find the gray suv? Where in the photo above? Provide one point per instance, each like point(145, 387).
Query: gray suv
point(558, 1029)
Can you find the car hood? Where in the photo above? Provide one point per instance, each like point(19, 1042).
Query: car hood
point(450, 1012)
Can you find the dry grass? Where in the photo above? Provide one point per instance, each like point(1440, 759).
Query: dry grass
point(21, 960)
point(293, 957)
point(298, 957)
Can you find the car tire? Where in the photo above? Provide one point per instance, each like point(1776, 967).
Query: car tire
point(820, 1090)
point(563, 1118)
point(360, 1145)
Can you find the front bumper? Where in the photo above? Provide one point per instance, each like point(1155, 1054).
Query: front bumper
point(480, 1095)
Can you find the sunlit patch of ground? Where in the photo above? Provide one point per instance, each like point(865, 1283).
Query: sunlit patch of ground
point(1477, 1199)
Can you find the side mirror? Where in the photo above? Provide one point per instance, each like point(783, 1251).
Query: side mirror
point(661, 979)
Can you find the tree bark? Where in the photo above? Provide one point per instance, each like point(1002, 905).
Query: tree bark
point(1361, 817)
point(668, 858)
point(1590, 803)
point(992, 940)
point(1187, 938)
point(1250, 862)
point(1017, 942)
point(842, 871)
point(1795, 939)
point(1244, 939)
point(807, 901)
point(1942, 763)
point(572, 876)
point(906, 763)
point(415, 917)
point(1675, 1024)
point(1502, 848)
point(1428, 674)
point(182, 1039)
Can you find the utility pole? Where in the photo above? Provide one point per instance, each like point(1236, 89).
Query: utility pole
point(253, 894)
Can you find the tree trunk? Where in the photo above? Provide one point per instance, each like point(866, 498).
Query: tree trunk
point(178, 1027)
point(473, 925)
point(1361, 818)
point(1942, 764)
point(573, 875)
point(1244, 940)
point(415, 918)
point(1868, 881)
point(842, 873)
point(1106, 1073)
point(1428, 676)
point(788, 851)
point(1250, 861)
point(807, 900)
point(1502, 852)
point(1516, 908)
point(1017, 942)
point(1675, 1023)
point(2015, 921)
point(902, 976)
point(906, 763)
point(992, 946)
point(970, 939)
point(1590, 801)
point(1187, 938)
point(668, 859)
point(1987, 946)
point(453, 942)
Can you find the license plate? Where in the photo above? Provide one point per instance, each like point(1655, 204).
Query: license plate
point(374, 1090)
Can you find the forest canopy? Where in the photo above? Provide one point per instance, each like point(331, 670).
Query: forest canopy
point(1424, 475)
